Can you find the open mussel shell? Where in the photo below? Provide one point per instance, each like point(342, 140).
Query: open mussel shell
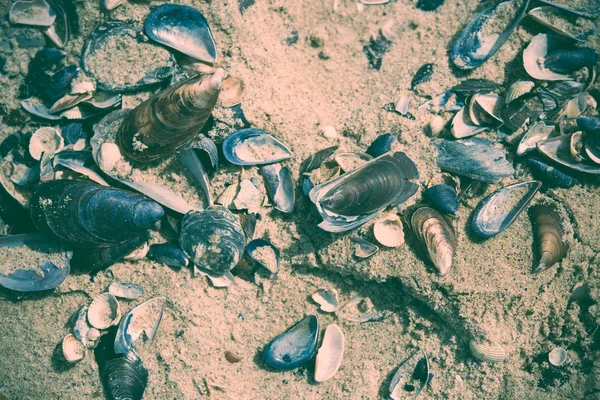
point(265, 254)
point(104, 311)
point(126, 290)
point(170, 254)
point(500, 209)
point(558, 150)
point(411, 377)
point(550, 176)
point(253, 146)
point(381, 145)
point(73, 350)
point(363, 248)
point(486, 33)
point(294, 347)
point(213, 239)
point(484, 109)
point(388, 231)
point(49, 271)
point(538, 132)
point(143, 319)
point(586, 8)
point(463, 127)
point(90, 215)
point(280, 186)
point(534, 56)
point(32, 12)
point(548, 236)
point(563, 23)
point(327, 300)
point(487, 352)
point(442, 197)
point(182, 28)
point(436, 237)
point(330, 355)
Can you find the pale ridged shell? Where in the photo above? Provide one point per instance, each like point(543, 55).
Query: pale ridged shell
point(73, 350)
point(327, 299)
point(126, 290)
point(226, 198)
point(388, 231)
point(436, 237)
point(518, 89)
point(45, 140)
point(104, 311)
point(108, 156)
point(487, 352)
point(330, 355)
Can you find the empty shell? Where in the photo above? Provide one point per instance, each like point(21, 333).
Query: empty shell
point(104, 311)
point(294, 347)
point(487, 351)
point(143, 319)
point(126, 290)
point(73, 350)
point(411, 377)
point(254, 147)
point(548, 236)
point(389, 231)
point(557, 357)
point(435, 236)
point(363, 248)
point(329, 357)
point(45, 141)
point(327, 299)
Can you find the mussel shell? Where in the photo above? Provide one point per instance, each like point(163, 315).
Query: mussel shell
point(213, 239)
point(144, 318)
point(538, 132)
point(500, 209)
point(363, 248)
point(184, 29)
point(567, 61)
point(591, 126)
point(294, 347)
point(270, 260)
point(442, 197)
point(436, 237)
point(429, 5)
point(463, 127)
point(317, 159)
point(381, 145)
point(422, 76)
point(563, 23)
point(558, 150)
point(60, 82)
point(587, 8)
point(280, 186)
point(170, 254)
point(552, 177)
point(253, 146)
point(414, 368)
point(537, 50)
point(548, 236)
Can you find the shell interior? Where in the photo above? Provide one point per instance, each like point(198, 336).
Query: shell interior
point(326, 299)
point(144, 318)
point(330, 355)
point(411, 377)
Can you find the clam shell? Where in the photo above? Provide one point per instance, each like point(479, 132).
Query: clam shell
point(500, 209)
point(381, 145)
point(254, 147)
point(588, 9)
point(537, 50)
point(363, 248)
point(411, 377)
point(487, 352)
point(233, 90)
point(484, 109)
point(435, 236)
point(45, 140)
point(143, 319)
point(280, 186)
point(548, 236)
point(265, 254)
point(563, 23)
point(557, 357)
point(330, 355)
point(108, 156)
point(518, 89)
point(538, 132)
point(104, 311)
point(32, 12)
point(388, 231)
point(463, 127)
point(73, 350)
point(558, 150)
point(443, 198)
point(170, 254)
point(126, 290)
point(294, 347)
point(351, 161)
point(552, 177)
point(226, 198)
point(326, 299)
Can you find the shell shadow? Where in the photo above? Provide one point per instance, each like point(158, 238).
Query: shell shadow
point(58, 362)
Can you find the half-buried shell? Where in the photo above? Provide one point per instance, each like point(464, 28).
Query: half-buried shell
point(411, 377)
point(487, 352)
point(294, 347)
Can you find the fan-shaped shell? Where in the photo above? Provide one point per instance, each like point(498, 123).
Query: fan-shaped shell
point(294, 347)
point(329, 357)
point(233, 91)
point(45, 140)
point(436, 237)
point(487, 352)
point(73, 350)
point(518, 89)
point(548, 236)
point(254, 147)
point(108, 156)
point(389, 231)
point(143, 319)
point(104, 311)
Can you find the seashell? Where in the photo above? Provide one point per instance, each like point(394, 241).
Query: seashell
point(294, 347)
point(591, 126)
point(537, 133)
point(123, 376)
point(249, 197)
point(91, 260)
point(435, 236)
point(388, 231)
point(500, 209)
point(563, 23)
point(69, 101)
point(233, 90)
point(60, 31)
point(183, 108)
point(429, 5)
point(487, 352)
point(518, 89)
point(351, 161)
point(226, 198)
point(381, 145)
point(248, 222)
point(139, 253)
point(552, 177)
point(588, 9)
point(577, 106)
point(207, 152)
point(60, 82)
point(401, 107)
point(72, 132)
point(475, 85)
point(104, 311)
point(474, 158)
point(189, 158)
point(104, 100)
point(254, 147)
point(213, 239)
point(39, 111)
point(535, 54)
point(442, 197)
point(548, 236)
point(82, 87)
point(48, 272)
point(219, 281)
point(91, 215)
point(80, 112)
point(80, 162)
point(557, 357)
point(374, 2)
point(463, 127)
point(567, 61)
point(354, 198)
point(73, 350)
point(265, 254)
point(484, 109)
point(326, 299)
point(32, 12)
point(108, 156)
point(558, 149)
point(280, 186)
point(422, 76)
point(446, 101)
point(126, 290)
point(411, 377)
point(45, 140)
point(329, 132)
point(592, 152)
point(170, 254)
point(317, 159)
point(360, 309)
point(363, 248)
point(330, 355)
point(110, 5)
point(143, 319)
point(232, 357)
point(82, 330)
point(184, 29)
point(576, 146)
point(486, 33)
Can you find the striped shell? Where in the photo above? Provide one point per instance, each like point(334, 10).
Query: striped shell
point(389, 231)
point(518, 89)
point(487, 352)
point(548, 233)
point(73, 350)
point(108, 156)
point(435, 236)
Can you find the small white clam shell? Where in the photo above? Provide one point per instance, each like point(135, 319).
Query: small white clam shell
point(363, 248)
point(45, 140)
point(557, 357)
point(487, 352)
point(389, 231)
point(108, 156)
point(330, 355)
point(104, 311)
point(233, 90)
point(73, 350)
point(327, 299)
point(518, 89)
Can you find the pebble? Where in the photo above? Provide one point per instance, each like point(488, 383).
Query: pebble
point(329, 132)
point(436, 125)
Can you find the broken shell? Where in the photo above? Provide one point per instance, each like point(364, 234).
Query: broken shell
point(73, 350)
point(360, 309)
point(401, 107)
point(126, 290)
point(233, 90)
point(108, 156)
point(523, 109)
point(557, 357)
point(463, 127)
point(534, 56)
point(191, 160)
point(170, 254)
point(577, 106)
point(576, 146)
point(110, 5)
point(484, 109)
point(330, 355)
point(548, 236)
point(294, 347)
point(226, 198)
point(500, 209)
point(435, 236)
point(552, 177)
point(265, 254)
point(518, 89)
point(69, 101)
point(317, 159)
point(45, 140)
point(487, 352)
point(139, 253)
point(80, 326)
point(254, 147)
point(538, 132)
point(443, 197)
point(326, 299)
point(249, 197)
point(388, 231)
point(475, 85)
point(381, 145)
point(144, 318)
point(184, 29)
point(33, 12)
point(280, 186)
point(558, 150)
point(104, 311)
point(411, 377)
point(219, 281)
point(232, 357)
point(351, 161)
point(363, 248)
point(563, 23)
point(422, 76)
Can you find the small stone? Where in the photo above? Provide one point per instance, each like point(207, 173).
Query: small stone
point(329, 132)
point(436, 125)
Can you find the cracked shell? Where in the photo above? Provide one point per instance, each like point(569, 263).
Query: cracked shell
point(143, 319)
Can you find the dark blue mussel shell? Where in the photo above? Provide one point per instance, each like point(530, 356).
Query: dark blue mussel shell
point(170, 254)
point(381, 145)
point(443, 197)
point(550, 176)
point(294, 347)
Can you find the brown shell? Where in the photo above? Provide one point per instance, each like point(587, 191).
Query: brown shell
point(548, 243)
point(436, 237)
point(170, 119)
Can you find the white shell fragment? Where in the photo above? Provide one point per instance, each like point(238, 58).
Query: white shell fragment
point(360, 309)
point(533, 60)
point(363, 248)
point(126, 290)
point(330, 355)
point(73, 350)
point(218, 281)
point(144, 318)
point(108, 156)
point(327, 299)
point(33, 12)
point(104, 311)
point(80, 326)
point(388, 231)
point(463, 127)
point(402, 105)
point(45, 140)
point(487, 352)
point(557, 357)
point(329, 132)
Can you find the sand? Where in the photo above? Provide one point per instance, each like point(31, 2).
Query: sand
point(304, 68)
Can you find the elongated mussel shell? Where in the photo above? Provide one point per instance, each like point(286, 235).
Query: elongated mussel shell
point(90, 215)
point(500, 209)
point(442, 197)
point(280, 186)
point(563, 23)
point(411, 377)
point(170, 119)
point(294, 347)
point(548, 236)
point(589, 8)
point(265, 254)
point(143, 319)
point(550, 176)
point(254, 147)
point(381, 145)
point(170, 254)
point(213, 239)
point(436, 237)
point(558, 150)
point(538, 132)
